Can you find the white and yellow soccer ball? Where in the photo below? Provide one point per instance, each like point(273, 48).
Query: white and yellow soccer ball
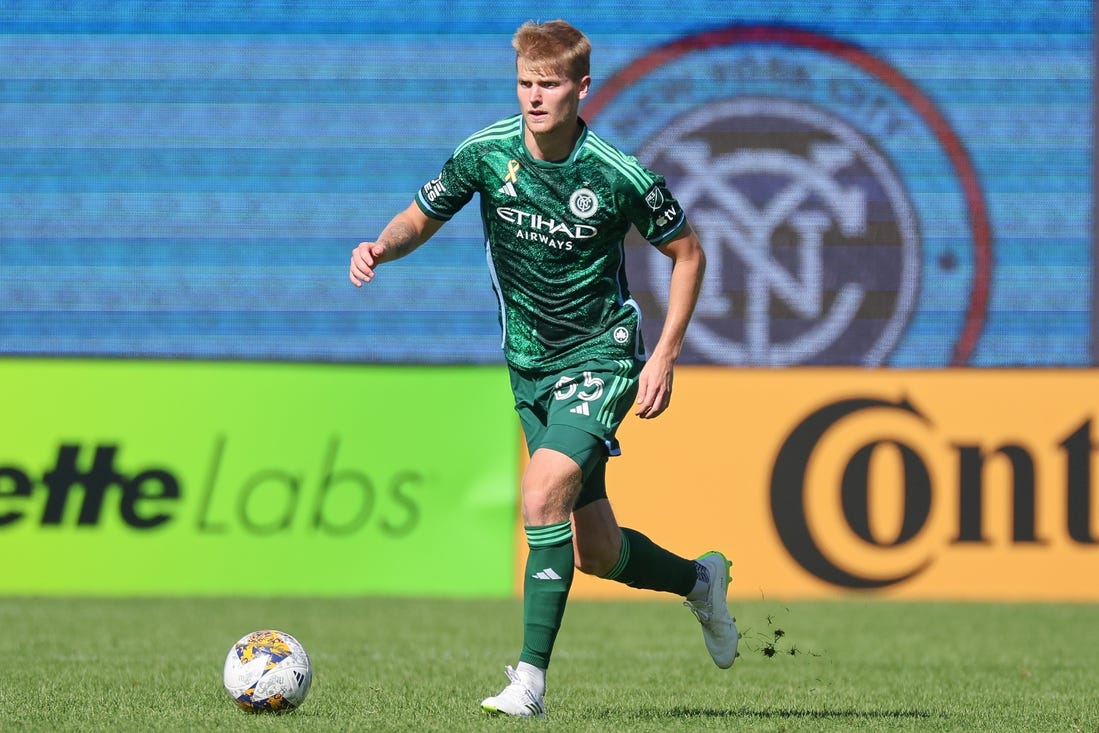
point(268, 671)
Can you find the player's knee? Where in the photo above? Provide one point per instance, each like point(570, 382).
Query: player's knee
point(550, 486)
point(542, 506)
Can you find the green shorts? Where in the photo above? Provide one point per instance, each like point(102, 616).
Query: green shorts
point(577, 411)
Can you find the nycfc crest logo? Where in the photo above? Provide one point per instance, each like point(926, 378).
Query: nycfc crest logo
point(583, 203)
point(827, 191)
point(802, 244)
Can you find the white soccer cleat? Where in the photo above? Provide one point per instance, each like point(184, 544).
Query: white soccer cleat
point(718, 627)
point(516, 699)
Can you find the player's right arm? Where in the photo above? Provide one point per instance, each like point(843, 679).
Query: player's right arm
point(407, 231)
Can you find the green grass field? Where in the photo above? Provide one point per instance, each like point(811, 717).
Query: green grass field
point(424, 665)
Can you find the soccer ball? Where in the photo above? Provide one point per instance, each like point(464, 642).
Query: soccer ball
point(268, 671)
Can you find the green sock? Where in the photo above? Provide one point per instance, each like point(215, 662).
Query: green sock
point(545, 589)
point(643, 564)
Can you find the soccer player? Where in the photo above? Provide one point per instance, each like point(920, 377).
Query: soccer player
point(556, 203)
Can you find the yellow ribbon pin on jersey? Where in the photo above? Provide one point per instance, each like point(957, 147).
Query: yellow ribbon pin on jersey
point(513, 168)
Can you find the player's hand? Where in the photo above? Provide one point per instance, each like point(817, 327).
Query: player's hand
point(654, 387)
point(364, 259)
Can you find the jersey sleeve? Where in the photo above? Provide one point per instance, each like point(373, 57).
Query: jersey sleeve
point(444, 196)
point(655, 212)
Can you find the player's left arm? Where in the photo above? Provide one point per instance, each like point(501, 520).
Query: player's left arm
point(654, 391)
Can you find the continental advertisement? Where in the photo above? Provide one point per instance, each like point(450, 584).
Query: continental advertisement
point(142, 478)
point(956, 484)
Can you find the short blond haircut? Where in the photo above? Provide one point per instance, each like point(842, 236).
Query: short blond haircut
point(556, 46)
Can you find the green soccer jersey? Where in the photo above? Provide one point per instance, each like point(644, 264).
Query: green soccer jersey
point(554, 240)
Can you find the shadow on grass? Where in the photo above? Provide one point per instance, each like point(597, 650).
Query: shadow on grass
point(807, 713)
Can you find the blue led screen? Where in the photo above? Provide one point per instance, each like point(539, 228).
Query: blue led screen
point(878, 183)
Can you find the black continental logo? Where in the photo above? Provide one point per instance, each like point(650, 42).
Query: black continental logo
point(790, 489)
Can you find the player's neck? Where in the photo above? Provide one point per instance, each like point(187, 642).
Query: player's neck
point(553, 146)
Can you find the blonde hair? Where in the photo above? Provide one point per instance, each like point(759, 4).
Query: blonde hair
point(555, 45)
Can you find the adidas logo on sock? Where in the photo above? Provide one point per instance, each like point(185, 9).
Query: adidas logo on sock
point(547, 574)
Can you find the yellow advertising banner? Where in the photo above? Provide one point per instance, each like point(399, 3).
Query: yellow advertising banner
point(945, 484)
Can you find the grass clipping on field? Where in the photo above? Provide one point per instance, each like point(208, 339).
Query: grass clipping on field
point(771, 641)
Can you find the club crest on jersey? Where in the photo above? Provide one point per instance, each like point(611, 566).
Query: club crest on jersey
point(583, 203)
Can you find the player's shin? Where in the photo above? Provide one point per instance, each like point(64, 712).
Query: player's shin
point(547, 580)
point(644, 564)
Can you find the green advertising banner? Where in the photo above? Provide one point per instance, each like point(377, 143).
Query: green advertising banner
point(166, 478)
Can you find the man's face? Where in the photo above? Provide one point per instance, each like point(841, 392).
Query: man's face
point(549, 100)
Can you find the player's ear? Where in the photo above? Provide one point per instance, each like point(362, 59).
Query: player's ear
point(585, 85)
